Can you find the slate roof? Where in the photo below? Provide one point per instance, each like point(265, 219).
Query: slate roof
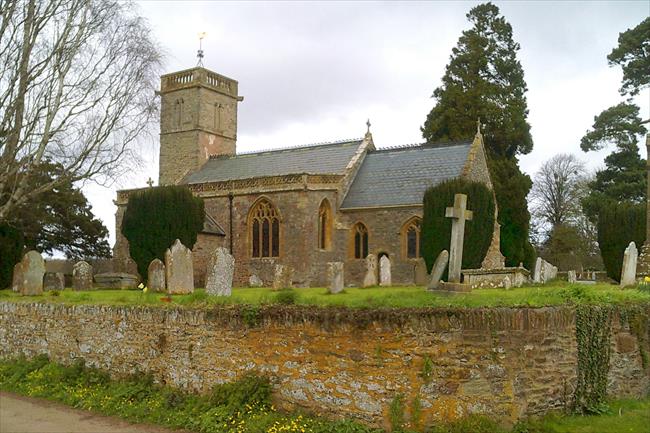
point(329, 158)
point(399, 176)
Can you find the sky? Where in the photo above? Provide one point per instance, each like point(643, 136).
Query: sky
point(314, 72)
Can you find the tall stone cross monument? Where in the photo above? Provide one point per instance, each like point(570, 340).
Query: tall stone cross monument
point(643, 263)
point(460, 214)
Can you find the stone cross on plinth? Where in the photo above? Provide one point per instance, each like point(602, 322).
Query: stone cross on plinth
point(460, 214)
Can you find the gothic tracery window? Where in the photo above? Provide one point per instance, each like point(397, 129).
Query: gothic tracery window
point(411, 238)
point(360, 241)
point(264, 224)
point(324, 225)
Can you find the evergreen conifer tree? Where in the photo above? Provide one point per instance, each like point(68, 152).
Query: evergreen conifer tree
point(485, 80)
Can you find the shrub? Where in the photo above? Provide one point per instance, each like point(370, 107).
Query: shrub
point(11, 250)
point(286, 297)
point(436, 228)
point(156, 217)
point(618, 225)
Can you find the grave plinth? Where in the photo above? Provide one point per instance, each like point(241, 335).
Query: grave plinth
point(496, 278)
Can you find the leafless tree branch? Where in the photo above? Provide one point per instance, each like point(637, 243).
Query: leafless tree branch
point(77, 81)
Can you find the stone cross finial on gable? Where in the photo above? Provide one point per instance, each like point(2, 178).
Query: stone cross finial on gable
point(460, 214)
point(368, 125)
point(478, 125)
point(150, 183)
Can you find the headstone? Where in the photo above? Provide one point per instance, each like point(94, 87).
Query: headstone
point(283, 277)
point(335, 276)
point(255, 281)
point(537, 272)
point(438, 269)
point(221, 267)
point(82, 276)
point(571, 277)
point(370, 279)
point(179, 271)
point(53, 281)
point(156, 276)
point(116, 280)
point(384, 271)
point(459, 215)
point(628, 273)
point(17, 279)
point(421, 277)
point(33, 270)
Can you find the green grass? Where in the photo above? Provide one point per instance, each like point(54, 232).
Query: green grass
point(407, 297)
point(624, 416)
point(245, 406)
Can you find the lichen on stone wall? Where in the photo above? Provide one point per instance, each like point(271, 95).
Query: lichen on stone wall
point(342, 362)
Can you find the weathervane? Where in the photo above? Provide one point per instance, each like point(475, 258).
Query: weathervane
point(368, 125)
point(199, 54)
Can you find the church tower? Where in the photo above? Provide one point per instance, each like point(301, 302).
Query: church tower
point(198, 118)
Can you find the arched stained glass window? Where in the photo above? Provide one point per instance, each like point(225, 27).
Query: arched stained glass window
point(264, 226)
point(360, 241)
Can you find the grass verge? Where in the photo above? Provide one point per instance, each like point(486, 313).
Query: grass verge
point(397, 297)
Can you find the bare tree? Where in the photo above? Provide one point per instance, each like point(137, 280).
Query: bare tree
point(77, 81)
point(558, 187)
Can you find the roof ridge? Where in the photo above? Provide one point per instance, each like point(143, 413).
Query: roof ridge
point(426, 144)
point(280, 149)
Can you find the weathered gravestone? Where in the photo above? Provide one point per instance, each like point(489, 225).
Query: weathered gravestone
point(179, 271)
point(421, 277)
point(283, 277)
point(550, 272)
point(82, 276)
point(255, 281)
point(438, 269)
point(33, 270)
point(221, 267)
point(628, 273)
point(571, 277)
point(156, 276)
point(537, 272)
point(53, 281)
point(370, 279)
point(335, 276)
point(385, 278)
point(17, 278)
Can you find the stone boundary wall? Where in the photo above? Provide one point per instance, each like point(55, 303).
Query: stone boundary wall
point(503, 362)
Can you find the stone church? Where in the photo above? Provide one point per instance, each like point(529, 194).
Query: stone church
point(302, 206)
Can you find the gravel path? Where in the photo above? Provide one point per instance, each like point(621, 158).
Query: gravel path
point(20, 414)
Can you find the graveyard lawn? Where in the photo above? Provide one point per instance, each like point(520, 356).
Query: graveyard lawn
point(558, 293)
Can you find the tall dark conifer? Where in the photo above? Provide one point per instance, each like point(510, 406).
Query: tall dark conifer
point(485, 80)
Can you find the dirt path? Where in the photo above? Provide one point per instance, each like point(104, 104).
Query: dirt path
point(30, 415)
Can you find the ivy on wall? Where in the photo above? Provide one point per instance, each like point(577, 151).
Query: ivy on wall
point(593, 330)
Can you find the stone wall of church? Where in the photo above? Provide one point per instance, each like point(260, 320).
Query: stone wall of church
point(502, 362)
point(298, 211)
point(384, 237)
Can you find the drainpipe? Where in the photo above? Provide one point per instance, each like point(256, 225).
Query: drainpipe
point(230, 197)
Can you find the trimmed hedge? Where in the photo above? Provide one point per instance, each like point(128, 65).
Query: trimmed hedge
point(11, 251)
point(618, 225)
point(156, 217)
point(436, 228)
